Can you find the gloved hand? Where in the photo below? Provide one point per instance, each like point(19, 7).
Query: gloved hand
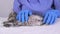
point(23, 15)
point(51, 16)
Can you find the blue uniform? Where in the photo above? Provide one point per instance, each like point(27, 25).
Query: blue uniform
point(23, 8)
point(39, 6)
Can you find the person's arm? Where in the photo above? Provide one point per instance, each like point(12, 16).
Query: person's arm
point(57, 5)
point(16, 6)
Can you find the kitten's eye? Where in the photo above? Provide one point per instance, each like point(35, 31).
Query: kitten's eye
point(39, 20)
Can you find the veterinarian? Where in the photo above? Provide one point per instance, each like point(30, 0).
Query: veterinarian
point(49, 9)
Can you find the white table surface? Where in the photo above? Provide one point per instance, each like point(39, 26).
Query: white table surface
point(51, 29)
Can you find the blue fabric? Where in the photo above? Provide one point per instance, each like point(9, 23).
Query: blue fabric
point(16, 6)
point(23, 7)
point(35, 5)
point(23, 15)
point(57, 4)
point(51, 16)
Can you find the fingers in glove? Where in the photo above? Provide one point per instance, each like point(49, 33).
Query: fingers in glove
point(45, 18)
point(26, 16)
point(48, 19)
point(53, 19)
point(22, 17)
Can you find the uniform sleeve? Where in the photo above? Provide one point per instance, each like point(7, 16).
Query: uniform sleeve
point(57, 5)
point(16, 5)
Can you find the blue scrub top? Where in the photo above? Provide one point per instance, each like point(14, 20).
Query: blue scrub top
point(36, 6)
point(57, 4)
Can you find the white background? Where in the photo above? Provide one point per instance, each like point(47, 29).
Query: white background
point(51, 29)
point(5, 7)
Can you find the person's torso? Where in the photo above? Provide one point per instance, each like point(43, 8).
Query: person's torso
point(36, 5)
point(57, 4)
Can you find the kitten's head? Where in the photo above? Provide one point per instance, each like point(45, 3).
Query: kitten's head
point(35, 20)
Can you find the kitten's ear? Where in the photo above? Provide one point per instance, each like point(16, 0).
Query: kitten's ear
point(11, 17)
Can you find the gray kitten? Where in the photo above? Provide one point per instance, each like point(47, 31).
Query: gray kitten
point(34, 20)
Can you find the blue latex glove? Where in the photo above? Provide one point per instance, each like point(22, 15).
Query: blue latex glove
point(23, 15)
point(51, 16)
